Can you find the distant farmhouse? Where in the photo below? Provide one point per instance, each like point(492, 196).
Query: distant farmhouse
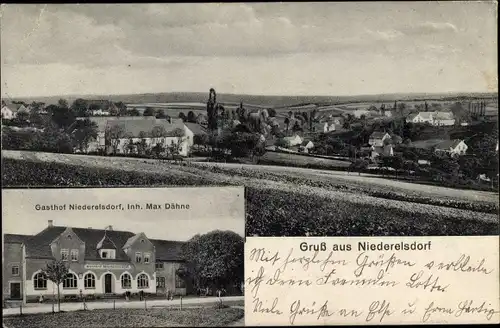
point(380, 144)
point(150, 131)
point(100, 107)
point(453, 147)
point(101, 262)
point(436, 118)
point(10, 110)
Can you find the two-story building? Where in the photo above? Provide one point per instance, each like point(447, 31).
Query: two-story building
point(122, 136)
point(100, 262)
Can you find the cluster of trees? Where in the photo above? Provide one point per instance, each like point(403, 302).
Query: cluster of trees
point(214, 260)
point(54, 129)
point(233, 143)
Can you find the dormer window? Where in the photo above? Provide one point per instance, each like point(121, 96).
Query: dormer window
point(69, 236)
point(107, 253)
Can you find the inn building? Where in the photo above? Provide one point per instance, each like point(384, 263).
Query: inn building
point(101, 262)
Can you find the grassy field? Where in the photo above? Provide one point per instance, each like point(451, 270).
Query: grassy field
point(157, 317)
point(286, 159)
point(291, 201)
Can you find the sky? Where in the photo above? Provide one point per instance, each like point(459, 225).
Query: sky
point(211, 209)
point(249, 48)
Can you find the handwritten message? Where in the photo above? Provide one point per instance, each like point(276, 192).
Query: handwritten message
point(389, 280)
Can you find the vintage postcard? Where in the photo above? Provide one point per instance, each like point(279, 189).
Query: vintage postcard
point(125, 257)
point(348, 121)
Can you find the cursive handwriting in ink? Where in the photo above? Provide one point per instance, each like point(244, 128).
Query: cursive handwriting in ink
point(262, 255)
point(378, 308)
point(256, 281)
point(462, 265)
point(364, 261)
point(431, 284)
point(465, 307)
point(411, 308)
point(259, 307)
point(297, 309)
point(277, 280)
point(432, 308)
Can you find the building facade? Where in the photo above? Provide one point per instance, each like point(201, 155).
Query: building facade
point(100, 262)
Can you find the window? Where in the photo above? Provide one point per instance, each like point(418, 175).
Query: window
point(159, 265)
point(40, 281)
point(160, 282)
point(142, 281)
point(179, 282)
point(107, 253)
point(126, 281)
point(89, 281)
point(74, 255)
point(146, 258)
point(64, 254)
point(70, 281)
point(138, 257)
point(15, 270)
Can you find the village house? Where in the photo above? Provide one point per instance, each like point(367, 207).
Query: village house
point(386, 150)
point(452, 147)
point(101, 107)
point(101, 262)
point(377, 138)
point(123, 136)
point(99, 144)
point(10, 110)
point(292, 141)
point(437, 118)
point(306, 146)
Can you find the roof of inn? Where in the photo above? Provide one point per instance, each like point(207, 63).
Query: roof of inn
point(38, 246)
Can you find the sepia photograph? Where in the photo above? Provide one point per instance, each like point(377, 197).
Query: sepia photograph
point(106, 258)
point(339, 119)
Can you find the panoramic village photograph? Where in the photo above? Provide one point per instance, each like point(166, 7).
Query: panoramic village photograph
point(106, 269)
point(339, 119)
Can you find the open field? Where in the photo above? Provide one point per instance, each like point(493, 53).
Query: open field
point(156, 317)
point(275, 158)
point(318, 203)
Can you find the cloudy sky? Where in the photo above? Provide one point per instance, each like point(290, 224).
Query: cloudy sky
point(255, 48)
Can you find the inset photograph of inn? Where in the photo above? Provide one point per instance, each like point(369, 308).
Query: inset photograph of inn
point(173, 272)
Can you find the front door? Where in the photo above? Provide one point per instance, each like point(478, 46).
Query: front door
point(15, 290)
point(108, 278)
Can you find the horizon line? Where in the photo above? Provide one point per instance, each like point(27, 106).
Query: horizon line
point(73, 95)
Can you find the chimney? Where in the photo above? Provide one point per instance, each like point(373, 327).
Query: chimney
point(51, 223)
point(110, 228)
